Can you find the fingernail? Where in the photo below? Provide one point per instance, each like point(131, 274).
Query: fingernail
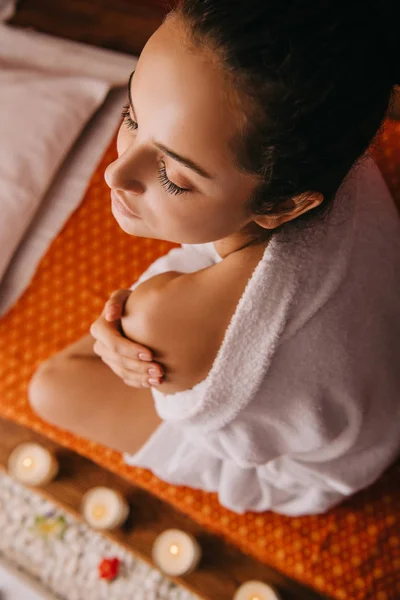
point(144, 357)
point(153, 372)
point(154, 382)
point(145, 384)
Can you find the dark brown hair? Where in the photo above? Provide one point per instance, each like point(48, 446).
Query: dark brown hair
point(319, 76)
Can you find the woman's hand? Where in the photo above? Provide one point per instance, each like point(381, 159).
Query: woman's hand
point(129, 360)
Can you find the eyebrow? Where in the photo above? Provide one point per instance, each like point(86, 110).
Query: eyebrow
point(184, 161)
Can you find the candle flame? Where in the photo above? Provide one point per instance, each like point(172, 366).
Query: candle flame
point(255, 598)
point(28, 462)
point(99, 511)
point(174, 549)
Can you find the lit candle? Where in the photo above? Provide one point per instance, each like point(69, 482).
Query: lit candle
point(104, 508)
point(256, 590)
point(32, 464)
point(176, 553)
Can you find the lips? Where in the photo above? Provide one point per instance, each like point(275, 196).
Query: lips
point(118, 200)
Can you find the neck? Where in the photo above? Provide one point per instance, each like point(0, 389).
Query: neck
point(249, 236)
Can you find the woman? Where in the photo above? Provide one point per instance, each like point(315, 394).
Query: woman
point(275, 325)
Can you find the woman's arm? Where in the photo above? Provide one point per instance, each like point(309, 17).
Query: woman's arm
point(182, 318)
point(167, 311)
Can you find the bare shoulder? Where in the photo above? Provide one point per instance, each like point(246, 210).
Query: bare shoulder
point(183, 317)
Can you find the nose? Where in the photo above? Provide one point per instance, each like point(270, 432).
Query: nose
point(120, 174)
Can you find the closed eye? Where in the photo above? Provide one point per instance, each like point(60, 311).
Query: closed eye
point(171, 187)
point(129, 122)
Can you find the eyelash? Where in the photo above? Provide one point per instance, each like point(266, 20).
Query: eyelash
point(171, 188)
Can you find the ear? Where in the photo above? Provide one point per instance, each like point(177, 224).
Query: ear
point(291, 210)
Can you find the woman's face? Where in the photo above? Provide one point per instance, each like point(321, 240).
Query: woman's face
point(180, 105)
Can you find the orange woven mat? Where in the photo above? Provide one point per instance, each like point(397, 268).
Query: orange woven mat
point(351, 553)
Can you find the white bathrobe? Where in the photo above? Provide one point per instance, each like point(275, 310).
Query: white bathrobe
point(301, 407)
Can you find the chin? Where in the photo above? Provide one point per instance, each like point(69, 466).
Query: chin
point(140, 230)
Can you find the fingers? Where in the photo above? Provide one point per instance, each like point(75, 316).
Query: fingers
point(132, 362)
point(114, 306)
point(132, 378)
point(138, 366)
point(136, 372)
point(108, 334)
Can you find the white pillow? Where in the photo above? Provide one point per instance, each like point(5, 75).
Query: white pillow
point(41, 115)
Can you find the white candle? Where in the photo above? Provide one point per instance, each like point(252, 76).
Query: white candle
point(256, 590)
point(104, 508)
point(176, 553)
point(32, 464)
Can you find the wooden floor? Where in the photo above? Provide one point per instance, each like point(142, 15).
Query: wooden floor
point(222, 568)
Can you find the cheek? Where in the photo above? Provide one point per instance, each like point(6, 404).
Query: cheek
point(224, 218)
point(200, 224)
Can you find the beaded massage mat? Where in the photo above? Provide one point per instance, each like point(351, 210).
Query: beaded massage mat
point(350, 553)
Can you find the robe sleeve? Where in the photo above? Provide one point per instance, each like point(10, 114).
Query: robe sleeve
point(283, 452)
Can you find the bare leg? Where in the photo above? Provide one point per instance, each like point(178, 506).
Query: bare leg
point(76, 391)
